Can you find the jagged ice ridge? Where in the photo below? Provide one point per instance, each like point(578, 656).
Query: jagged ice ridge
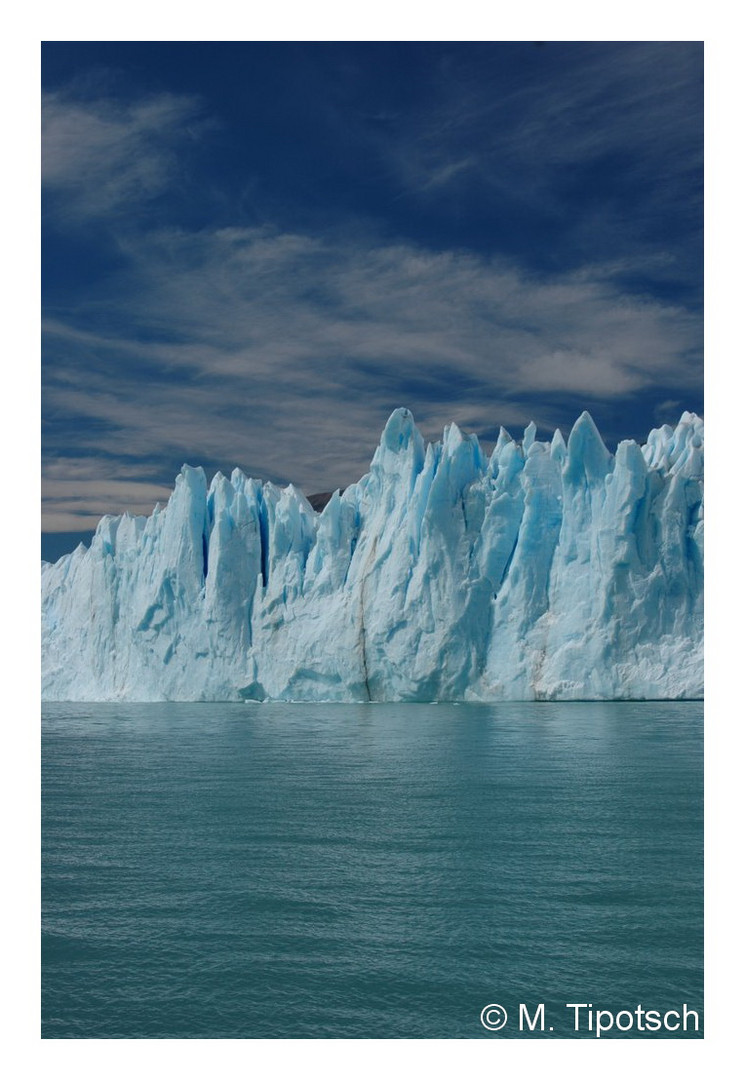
point(546, 571)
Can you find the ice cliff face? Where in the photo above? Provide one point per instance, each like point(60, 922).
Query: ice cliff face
point(547, 571)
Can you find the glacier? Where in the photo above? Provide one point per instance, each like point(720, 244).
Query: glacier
point(545, 571)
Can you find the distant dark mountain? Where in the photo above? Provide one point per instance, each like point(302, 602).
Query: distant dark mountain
point(319, 500)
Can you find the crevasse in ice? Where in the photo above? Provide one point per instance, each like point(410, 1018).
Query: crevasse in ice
point(546, 571)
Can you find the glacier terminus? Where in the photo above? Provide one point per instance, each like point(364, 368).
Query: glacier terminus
point(546, 571)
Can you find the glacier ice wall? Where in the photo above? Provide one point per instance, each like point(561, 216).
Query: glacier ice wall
point(545, 571)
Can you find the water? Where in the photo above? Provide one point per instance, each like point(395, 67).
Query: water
point(367, 871)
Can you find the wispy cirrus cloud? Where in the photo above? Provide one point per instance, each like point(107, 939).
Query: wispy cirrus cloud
point(576, 104)
point(583, 151)
point(103, 157)
point(240, 301)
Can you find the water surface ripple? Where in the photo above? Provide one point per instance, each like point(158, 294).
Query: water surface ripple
point(367, 871)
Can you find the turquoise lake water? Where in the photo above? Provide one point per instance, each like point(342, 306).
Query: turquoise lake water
point(368, 871)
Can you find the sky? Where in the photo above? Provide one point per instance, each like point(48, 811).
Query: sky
point(253, 252)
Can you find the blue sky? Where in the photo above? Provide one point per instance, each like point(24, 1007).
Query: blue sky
point(253, 252)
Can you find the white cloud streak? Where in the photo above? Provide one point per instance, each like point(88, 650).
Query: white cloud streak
point(101, 157)
point(633, 100)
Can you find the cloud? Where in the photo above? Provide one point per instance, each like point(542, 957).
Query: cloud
point(574, 104)
point(284, 353)
point(68, 511)
point(77, 492)
point(586, 148)
point(103, 157)
point(252, 302)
